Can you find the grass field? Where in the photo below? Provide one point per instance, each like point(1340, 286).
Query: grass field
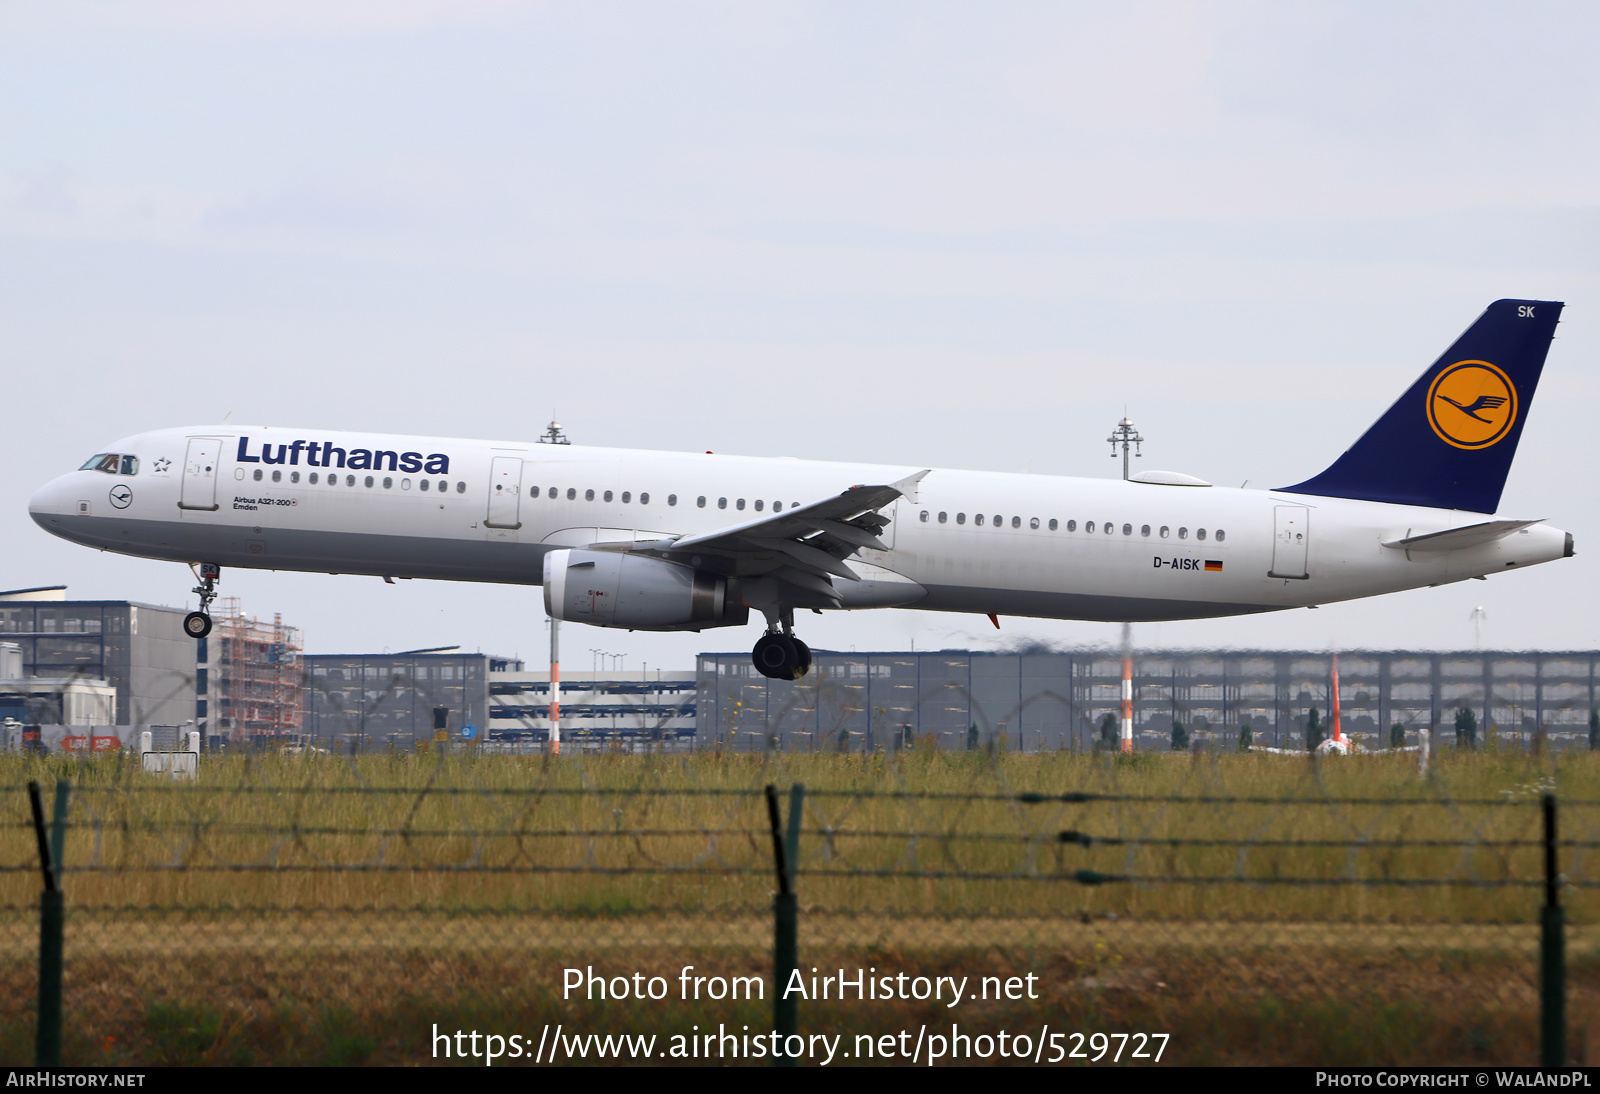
point(320, 908)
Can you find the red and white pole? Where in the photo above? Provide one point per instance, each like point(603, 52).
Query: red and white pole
point(1337, 734)
point(555, 687)
point(1127, 704)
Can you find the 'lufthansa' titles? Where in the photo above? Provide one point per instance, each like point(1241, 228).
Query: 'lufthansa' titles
point(327, 454)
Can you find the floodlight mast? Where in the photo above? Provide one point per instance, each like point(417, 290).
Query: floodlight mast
point(553, 435)
point(1127, 436)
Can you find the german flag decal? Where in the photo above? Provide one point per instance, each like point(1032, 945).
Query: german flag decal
point(1212, 564)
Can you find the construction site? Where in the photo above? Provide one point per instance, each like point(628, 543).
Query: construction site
point(247, 679)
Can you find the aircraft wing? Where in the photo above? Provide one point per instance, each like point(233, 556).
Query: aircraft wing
point(804, 547)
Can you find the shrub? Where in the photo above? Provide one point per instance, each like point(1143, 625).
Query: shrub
point(1313, 730)
point(1246, 736)
point(1466, 728)
point(1397, 736)
point(1180, 737)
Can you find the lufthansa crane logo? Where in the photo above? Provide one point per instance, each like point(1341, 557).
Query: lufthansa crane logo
point(1472, 404)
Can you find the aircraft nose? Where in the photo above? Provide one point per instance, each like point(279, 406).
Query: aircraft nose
point(51, 504)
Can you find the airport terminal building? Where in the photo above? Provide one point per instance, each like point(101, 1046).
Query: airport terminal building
point(1058, 699)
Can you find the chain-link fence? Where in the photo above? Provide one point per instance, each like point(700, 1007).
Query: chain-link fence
point(1214, 908)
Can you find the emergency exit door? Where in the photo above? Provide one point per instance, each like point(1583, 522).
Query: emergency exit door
point(505, 493)
point(1292, 526)
point(200, 474)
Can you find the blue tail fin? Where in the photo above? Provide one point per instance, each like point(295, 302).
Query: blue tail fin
point(1449, 440)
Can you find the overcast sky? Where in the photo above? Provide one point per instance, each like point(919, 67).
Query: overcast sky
point(932, 234)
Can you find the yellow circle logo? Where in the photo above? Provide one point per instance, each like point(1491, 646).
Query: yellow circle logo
point(1472, 404)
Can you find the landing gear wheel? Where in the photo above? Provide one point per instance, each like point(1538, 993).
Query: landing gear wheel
point(197, 624)
point(805, 656)
point(777, 657)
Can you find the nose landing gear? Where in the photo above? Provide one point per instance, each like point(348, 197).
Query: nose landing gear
point(779, 655)
point(198, 624)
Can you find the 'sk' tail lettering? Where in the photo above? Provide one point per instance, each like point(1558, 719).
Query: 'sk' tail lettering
point(1449, 440)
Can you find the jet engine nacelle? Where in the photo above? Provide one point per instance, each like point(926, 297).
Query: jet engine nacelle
point(612, 589)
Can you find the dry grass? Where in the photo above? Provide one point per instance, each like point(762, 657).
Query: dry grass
point(481, 878)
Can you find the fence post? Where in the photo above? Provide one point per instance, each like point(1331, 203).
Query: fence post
point(785, 914)
point(47, 1041)
point(1552, 955)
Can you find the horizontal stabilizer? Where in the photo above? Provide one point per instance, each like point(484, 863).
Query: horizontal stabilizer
point(1456, 539)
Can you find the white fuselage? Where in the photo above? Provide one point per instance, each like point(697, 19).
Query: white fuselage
point(973, 541)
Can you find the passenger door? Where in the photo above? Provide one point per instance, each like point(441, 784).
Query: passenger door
point(505, 493)
point(1292, 537)
point(200, 474)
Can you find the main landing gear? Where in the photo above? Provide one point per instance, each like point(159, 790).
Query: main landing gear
point(198, 624)
point(779, 655)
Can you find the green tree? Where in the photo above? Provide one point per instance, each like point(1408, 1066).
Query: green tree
point(844, 740)
point(1313, 730)
point(1108, 731)
point(972, 737)
point(1397, 736)
point(1180, 737)
point(1466, 728)
point(1246, 735)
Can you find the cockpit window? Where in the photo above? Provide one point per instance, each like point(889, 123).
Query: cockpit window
point(130, 465)
point(101, 462)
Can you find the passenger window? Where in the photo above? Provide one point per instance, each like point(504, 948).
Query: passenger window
point(461, 488)
point(1072, 525)
point(422, 484)
point(572, 493)
point(924, 516)
point(644, 499)
point(350, 480)
point(760, 505)
point(588, 495)
point(552, 492)
point(312, 478)
point(405, 484)
point(722, 503)
point(1088, 525)
point(388, 483)
point(369, 482)
point(257, 475)
point(608, 495)
point(1127, 529)
point(961, 518)
point(1221, 535)
point(978, 519)
point(1200, 533)
point(1052, 524)
point(1016, 522)
point(294, 476)
point(700, 502)
point(672, 499)
point(1033, 523)
point(739, 504)
point(1183, 533)
point(277, 476)
point(130, 465)
point(1165, 531)
point(777, 507)
point(1144, 529)
point(533, 492)
point(998, 520)
point(627, 496)
point(942, 517)
point(1109, 527)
